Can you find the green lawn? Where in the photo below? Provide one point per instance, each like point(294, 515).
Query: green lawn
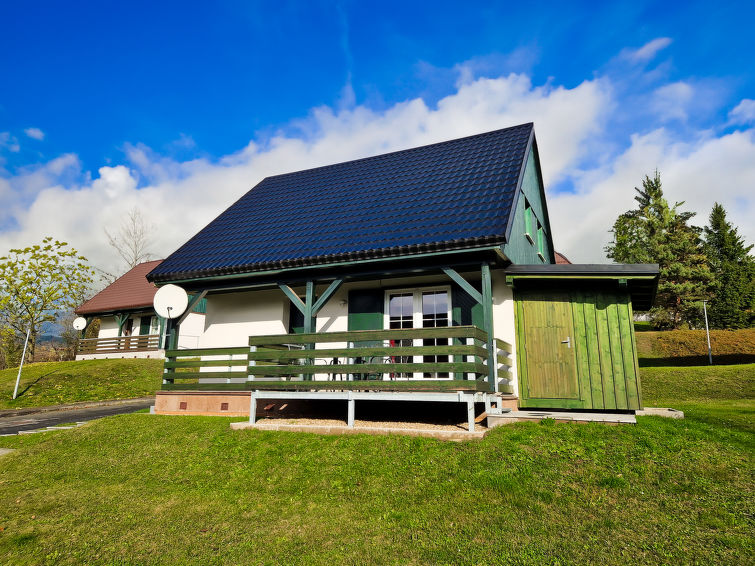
point(56, 383)
point(146, 489)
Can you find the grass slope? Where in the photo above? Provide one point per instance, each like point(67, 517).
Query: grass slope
point(56, 383)
point(690, 347)
point(187, 490)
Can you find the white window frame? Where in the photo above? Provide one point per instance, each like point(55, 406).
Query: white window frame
point(416, 318)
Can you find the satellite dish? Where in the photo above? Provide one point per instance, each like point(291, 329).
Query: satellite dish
point(79, 323)
point(170, 301)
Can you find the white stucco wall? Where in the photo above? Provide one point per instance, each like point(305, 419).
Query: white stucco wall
point(108, 327)
point(192, 330)
point(503, 320)
point(233, 317)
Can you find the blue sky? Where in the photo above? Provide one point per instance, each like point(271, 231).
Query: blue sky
point(141, 104)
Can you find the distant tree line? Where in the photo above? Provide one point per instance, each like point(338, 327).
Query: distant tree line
point(696, 264)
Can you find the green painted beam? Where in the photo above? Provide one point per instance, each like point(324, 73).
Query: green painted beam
point(463, 283)
point(309, 296)
point(487, 314)
point(192, 303)
point(319, 303)
point(293, 297)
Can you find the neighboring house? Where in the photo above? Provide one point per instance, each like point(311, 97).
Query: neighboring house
point(129, 326)
point(561, 259)
point(424, 274)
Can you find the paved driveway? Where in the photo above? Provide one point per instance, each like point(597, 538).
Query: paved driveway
point(11, 424)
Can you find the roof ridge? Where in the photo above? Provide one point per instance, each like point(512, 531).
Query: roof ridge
point(398, 151)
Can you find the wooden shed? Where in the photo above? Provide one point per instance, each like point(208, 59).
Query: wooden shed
point(575, 334)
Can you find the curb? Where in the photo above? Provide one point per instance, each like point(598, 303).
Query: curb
point(71, 406)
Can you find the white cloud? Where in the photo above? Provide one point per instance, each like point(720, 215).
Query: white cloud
point(647, 51)
point(671, 101)
point(35, 133)
point(9, 142)
point(743, 113)
point(699, 172)
point(576, 147)
point(181, 197)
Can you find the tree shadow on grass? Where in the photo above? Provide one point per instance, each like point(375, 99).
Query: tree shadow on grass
point(721, 360)
point(33, 383)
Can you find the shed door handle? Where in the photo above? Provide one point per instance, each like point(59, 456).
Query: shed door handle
point(567, 341)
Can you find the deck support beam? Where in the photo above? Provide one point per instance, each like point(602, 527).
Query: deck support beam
point(463, 283)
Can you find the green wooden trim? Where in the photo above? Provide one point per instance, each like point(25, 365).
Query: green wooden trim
point(293, 297)
point(505, 346)
point(205, 363)
point(424, 385)
point(593, 351)
point(604, 349)
point(504, 360)
point(347, 263)
point(309, 299)
point(203, 374)
point(634, 356)
point(521, 357)
point(206, 352)
point(617, 355)
point(628, 352)
point(513, 276)
point(552, 403)
point(368, 352)
point(487, 313)
point(580, 348)
point(319, 303)
point(379, 368)
point(463, 283)
point(190, 308)
point(371, 335)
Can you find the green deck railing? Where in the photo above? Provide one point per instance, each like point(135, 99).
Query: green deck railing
point(421, 359)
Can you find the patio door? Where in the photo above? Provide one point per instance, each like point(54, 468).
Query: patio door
point(419, 308)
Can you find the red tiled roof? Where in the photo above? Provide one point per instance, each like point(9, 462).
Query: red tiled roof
point(130, 291)
point(561, 258)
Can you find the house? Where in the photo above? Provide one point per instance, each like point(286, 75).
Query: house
point(129, 326)
point(426, 274)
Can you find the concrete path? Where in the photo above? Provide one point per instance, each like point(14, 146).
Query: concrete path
point(23, 420)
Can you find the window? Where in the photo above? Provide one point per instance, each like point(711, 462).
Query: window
point(528, 221)
point(419, 308)
point(540, 242)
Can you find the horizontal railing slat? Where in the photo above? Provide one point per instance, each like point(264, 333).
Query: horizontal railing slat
point(367, 352)
point(450, 367)
point(505, 346)
point(371, 335)
point(205, 363)
point(207, 352)
point(427, 385)
point(196, 374)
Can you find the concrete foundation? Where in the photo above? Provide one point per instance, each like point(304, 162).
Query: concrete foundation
point(215, 403)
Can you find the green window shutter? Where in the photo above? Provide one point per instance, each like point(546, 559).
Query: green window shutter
point(540, 242)
point(527, 219)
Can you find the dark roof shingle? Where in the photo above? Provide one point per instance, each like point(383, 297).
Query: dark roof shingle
point(452, 194)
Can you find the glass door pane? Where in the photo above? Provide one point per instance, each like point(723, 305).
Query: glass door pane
point(435, 315)
point(400, 316)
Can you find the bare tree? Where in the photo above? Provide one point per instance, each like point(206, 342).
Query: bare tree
point(132, 241)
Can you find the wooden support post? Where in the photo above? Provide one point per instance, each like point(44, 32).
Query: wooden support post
point(252, 407)
point(121, 319)
point(470, 415)
point(350, 418)
point(309, 301)
point(487, 317)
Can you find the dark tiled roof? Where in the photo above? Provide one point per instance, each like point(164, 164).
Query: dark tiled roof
point(129, 291)
point(449, 195)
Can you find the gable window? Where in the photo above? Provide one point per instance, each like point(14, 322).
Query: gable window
point(419, 308)
point(540, 242)
point(528, 221)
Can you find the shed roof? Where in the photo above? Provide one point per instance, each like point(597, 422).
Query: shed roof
point(128, 292)
point(456, 194)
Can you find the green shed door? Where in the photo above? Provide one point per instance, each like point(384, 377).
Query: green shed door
point(549, 352)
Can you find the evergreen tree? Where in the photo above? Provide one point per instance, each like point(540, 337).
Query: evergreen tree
point(656, 232)
point(733, 304)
